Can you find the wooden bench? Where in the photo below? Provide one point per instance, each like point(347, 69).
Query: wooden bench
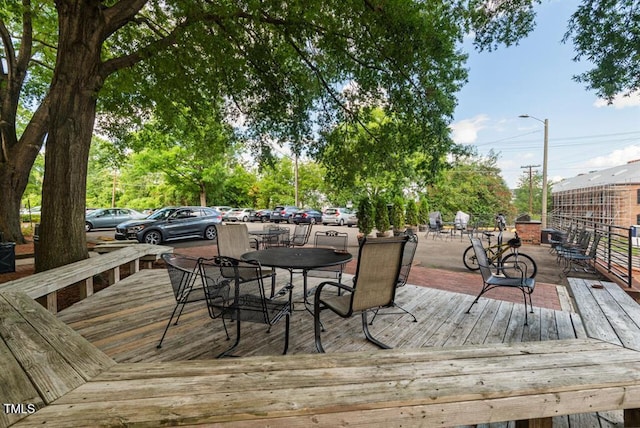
point(607, 311)
point(45, 285)
point(42, 358)
point(49, 368)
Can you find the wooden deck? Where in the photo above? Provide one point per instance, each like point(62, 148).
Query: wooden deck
point(126, 321)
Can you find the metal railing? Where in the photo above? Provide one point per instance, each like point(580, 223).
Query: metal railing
point(616, 254)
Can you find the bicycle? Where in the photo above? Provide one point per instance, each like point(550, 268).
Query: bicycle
point(510, 265)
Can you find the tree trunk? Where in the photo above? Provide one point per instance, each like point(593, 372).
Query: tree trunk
point(73, 93)
point(15, 166)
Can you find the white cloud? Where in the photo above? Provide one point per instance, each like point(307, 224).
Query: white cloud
point(466, 131)
point(615, 158)
point(620, 101)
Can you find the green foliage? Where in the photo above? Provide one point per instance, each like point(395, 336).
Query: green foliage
point(366, 216)
point(412, 213)
point(521, 200)
point(605, 33)
point(381, 214)
point(472, 185)
point(423, 210)
point(397, 213)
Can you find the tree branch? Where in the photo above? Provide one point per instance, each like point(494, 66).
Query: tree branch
point(120, 14)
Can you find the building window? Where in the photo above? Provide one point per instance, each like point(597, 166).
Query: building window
point(638, 196)
point(638, 219)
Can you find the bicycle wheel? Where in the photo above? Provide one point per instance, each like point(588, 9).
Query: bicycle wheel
point(470, 260)
point(515, 262)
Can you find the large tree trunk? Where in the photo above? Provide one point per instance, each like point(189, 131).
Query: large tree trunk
point(73, 95)
point(15, 166)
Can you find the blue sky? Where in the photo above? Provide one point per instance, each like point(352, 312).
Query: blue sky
point(535, 78)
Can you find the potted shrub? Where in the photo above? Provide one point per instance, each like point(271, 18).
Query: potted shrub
point(381, 217)
point(412, 215)
point(397, 216)
point(423, 214)
point(365, 216)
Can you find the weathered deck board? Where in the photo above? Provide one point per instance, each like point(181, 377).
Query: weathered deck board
point(461, 384)
point(127, 319)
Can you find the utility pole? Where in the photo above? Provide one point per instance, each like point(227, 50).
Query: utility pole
point(530, 167)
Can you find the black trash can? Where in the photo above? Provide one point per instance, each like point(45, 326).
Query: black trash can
point(547, 235)
point(7, 257)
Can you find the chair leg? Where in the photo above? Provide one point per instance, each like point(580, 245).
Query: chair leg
point(370, 338)
point(232, 347)
point(286, 334)
point(395, 305)
point(316, 327)
point(168, 324)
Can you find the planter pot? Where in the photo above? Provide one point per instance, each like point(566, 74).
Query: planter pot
point(398, 232)
point(381, 234)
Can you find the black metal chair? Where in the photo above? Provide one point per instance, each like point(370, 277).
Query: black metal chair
point(335, 240)
point(183, 272)
point(235, 290)
point(491, 281)
point(379, 263)
point(585, 259)
point(301, 234)
point(407, 261)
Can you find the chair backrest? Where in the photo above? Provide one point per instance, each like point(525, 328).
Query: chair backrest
point(407, 259)
point(233, 240)
point(301, 235)
point(481, 258)
point(331, 239)
point(218, 276)
point(182, 273)
point(594, 245)
point(379, 262)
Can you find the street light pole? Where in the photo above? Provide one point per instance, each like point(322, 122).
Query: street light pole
point(545, 159)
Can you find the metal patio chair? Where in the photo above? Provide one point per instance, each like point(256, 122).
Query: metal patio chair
point(407, 261)
point(234, 290)
point(374, 287)
point(491, 281)
point(183, 273)
point(234, 241)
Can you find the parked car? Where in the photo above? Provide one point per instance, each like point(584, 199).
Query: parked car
point(352, 219)
point(222, 209)
point(109, 217)
point(307, 216)
point(225, 214)
point(238, 214)
point(260, 215)
point(337, 216)
point(283, 213)
point(172, 223)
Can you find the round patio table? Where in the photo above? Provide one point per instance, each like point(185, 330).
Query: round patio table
point(298, 259)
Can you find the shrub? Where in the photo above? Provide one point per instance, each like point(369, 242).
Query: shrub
point(412, 213)
point(365, 216)
point(382, 215)
point(397, 214)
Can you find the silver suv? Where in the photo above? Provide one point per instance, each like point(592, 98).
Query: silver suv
point(337, 216)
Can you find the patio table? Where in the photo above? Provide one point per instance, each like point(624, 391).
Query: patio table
point(298, 259)
point(266, 235)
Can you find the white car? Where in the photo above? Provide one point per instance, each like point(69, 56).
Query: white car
point(337, 216)
point(239, 214)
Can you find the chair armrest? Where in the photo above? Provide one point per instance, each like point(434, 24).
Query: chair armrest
point(333, 284)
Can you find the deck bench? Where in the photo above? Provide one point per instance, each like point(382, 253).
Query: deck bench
point(70, 382)
point(607, 311)
point(45, 285)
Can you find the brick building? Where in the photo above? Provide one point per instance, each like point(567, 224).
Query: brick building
point(610, 196)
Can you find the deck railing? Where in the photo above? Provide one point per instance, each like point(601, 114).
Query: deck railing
point(616, 254)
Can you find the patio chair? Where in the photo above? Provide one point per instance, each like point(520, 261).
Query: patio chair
point(461, 225)
point(334, 240)
point(183, 272)
point(374, 287)
point(584, 259)
point(491, 281)
point(235, 290)
point(435, 224)
point(407, 261)
point(300, 235)
point(234, 241)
